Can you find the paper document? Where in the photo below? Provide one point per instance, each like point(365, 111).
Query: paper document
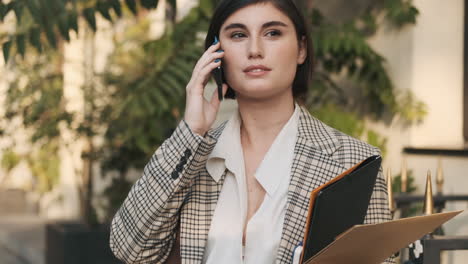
point(371, 244)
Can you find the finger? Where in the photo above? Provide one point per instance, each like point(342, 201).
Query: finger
point(214, 47)
point(204, 75)
point(197, 72)
point(201, 80)
point(211, 57)
point(204, 58)
point(207, 55)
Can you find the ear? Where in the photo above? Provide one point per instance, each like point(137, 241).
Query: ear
point(302, 54)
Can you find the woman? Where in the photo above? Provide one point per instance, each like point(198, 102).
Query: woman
point(239, 193)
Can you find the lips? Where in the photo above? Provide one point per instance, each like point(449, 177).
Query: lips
point(256, 68)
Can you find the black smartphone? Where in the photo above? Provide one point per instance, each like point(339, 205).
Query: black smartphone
point(218, 76)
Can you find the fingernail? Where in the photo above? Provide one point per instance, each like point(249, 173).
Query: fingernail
point(217, 60)
point(220, 51)
point(215, 41)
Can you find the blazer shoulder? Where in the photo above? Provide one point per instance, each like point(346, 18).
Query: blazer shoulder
point(352, 150)
point(343, 148)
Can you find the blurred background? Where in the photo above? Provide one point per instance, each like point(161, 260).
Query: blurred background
point(89, 89)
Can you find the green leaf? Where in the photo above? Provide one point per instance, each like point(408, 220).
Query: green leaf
point(187, 68)
point(336, 117)
point(63, 27)
point(51, 37)
point(178, 74)
point(8, 8)
point(88, 14)
point(147, 105)
point(377, 140)
point(141, 142)
point(47, 14)
point(206, 6)
point(6, 50)
point(10, 159)
point(116, 6)
point(161, 101)
point(20, 43)
point(170, 86)
point(103, 8)
point(400, 13)
point(149, 4)
point(33, 9)
point(132, 6)
point(18, 9)
point(73, 20)
point(35, 38)
point(2, 11)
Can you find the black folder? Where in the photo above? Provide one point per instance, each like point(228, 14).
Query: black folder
point(339, 205)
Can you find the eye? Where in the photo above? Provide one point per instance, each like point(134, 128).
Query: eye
point(237, 35)
point(274, 33)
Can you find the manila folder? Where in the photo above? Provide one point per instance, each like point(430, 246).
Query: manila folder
point(372, 244)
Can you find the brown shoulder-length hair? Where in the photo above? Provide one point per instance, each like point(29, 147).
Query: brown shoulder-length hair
point(225, 8)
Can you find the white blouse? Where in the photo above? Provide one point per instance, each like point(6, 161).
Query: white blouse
point(263, 231)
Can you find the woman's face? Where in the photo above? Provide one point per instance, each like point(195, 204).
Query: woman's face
point(261, 51)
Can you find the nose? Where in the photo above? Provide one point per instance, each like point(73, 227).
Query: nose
point(255, 49)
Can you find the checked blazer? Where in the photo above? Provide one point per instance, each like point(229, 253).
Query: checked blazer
point(176, 190)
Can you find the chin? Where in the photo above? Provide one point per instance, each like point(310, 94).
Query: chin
point(255, 91)
point(259, 93)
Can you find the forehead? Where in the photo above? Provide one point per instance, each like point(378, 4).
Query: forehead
point(257, 14)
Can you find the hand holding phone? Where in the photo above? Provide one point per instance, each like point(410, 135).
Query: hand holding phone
point(218, 76)
point(200, 113)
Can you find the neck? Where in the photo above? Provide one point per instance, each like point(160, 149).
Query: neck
point(262, 120)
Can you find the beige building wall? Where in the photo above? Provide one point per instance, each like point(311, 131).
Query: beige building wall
point(437, 73)
point(427, 59)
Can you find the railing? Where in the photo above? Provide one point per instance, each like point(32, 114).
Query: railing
point(433, 245)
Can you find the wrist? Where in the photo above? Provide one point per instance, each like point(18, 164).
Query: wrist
point(199, 132)
point(195, 129)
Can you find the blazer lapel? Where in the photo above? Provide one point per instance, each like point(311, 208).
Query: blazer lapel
point(312, 166)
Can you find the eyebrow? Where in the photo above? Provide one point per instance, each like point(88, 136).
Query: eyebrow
point(265, 25)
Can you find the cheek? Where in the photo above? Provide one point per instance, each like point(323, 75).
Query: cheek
point(286, 55)
point(287, 61)
point(230, 63)
point(231, 57)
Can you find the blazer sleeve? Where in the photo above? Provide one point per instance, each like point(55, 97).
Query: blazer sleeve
point(144, 228)
point(378, 210)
